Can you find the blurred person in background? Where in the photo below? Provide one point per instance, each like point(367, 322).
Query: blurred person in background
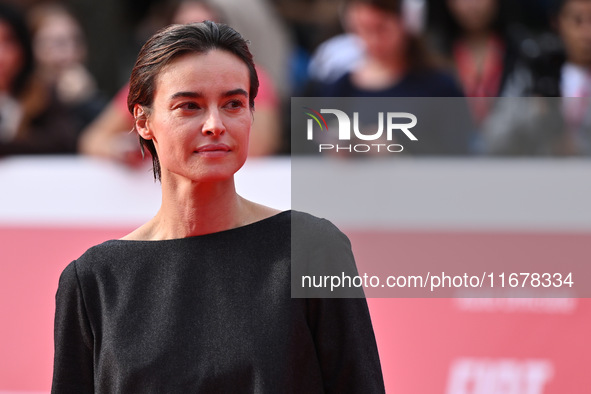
point(32, 121)
point(337, 55)
point(345, 51)
point(472, 36)
point(60, 52)
point(109, 135)
point(566, 73)
point(551, 126)
point(395, 61)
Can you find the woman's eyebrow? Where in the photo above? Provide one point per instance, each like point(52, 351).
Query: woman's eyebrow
point(233, 92)
point(186, 94)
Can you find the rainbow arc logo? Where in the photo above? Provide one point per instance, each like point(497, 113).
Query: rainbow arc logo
point(317, 117)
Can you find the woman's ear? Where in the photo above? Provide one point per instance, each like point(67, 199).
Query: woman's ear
point(141, 122)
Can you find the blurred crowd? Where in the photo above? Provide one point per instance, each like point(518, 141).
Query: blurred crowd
point(522, 67)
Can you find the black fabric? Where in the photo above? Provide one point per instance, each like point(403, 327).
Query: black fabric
point(208, 314)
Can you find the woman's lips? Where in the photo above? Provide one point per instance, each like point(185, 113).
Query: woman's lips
point(213, 150)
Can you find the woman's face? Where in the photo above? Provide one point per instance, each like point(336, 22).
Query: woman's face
point(382, 33)
point(574, 26)
point(11, 56)
point(58, 42)
point(473, 15)
point(200, 119)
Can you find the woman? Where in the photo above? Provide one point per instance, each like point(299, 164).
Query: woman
point(32, 121)
point(472, 34)
point(60, 52)
point(395, 62)
point(198, 299)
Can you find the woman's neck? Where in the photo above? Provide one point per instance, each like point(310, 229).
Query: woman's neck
point(190, 208)
point(197, 208)
point(194, 208)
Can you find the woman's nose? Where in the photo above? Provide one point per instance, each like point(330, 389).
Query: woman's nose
point(213, 125)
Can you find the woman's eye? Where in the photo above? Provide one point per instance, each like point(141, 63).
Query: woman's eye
point(235, 104)
point(189, 106)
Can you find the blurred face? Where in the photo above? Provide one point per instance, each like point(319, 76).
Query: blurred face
point(189, 12)
point(58, 42)
point(574, 26)
point(473, 15)
point(382, 33)
point(11, 56)
point(200, 119)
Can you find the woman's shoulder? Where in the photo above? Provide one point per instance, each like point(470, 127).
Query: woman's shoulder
point(90, 260)
point(101, 254)
point(314, 232)
point(311, 221)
